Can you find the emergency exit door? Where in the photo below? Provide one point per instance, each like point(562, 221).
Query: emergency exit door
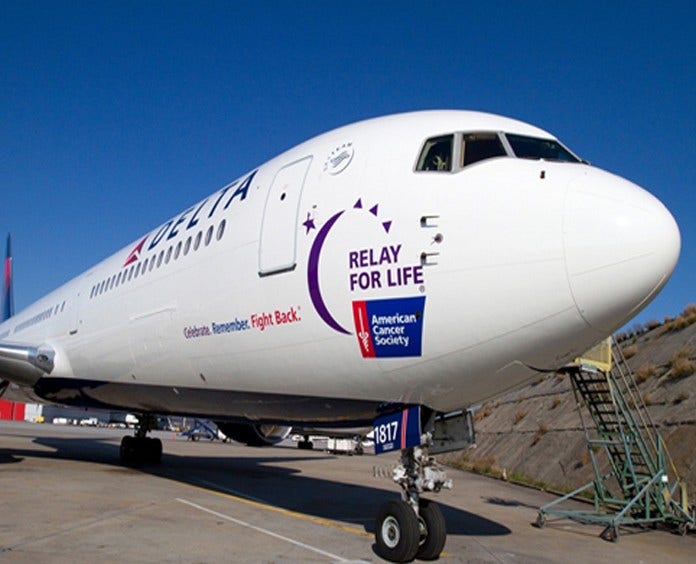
point(278, 247)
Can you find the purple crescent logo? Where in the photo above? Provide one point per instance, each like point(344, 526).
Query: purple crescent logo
point(313, 264)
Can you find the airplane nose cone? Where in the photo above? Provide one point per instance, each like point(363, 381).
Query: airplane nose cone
point(621, 246)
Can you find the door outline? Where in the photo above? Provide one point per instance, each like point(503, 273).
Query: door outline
point(278, 239)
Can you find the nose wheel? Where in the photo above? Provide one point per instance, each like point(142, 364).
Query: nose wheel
point(433, 521)
point(412, 527)
point(397, 532)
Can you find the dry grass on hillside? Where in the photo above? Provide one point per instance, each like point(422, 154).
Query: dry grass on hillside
point(686, 318)
point(645, 371)
point(669, 325)
point(682, 365)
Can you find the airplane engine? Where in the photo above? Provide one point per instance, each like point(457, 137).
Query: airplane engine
point(252, 434)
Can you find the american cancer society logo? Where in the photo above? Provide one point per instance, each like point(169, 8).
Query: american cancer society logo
point(389, 327)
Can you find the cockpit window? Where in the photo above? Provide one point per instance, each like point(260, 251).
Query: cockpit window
point(534, 148)
point(481, 146)
point(436, 154)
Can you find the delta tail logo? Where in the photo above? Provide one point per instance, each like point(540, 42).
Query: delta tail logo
point(385, 325)
point(134, 255)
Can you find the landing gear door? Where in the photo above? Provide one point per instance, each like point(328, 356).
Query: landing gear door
point(398, 431)
point(277, 249)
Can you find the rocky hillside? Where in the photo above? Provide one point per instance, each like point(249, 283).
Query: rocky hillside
point(535, 434)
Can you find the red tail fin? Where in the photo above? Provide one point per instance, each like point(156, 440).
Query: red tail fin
point(7, 298)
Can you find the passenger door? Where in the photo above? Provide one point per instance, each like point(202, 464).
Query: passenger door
point(277, 248)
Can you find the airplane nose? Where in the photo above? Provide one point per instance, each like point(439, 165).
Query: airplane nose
point(621, 246)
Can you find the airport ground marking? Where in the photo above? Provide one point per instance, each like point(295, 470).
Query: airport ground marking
point(311, 548)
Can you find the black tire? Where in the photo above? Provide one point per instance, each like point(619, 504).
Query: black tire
point(153, 451)
point(396, 532)
point(136, 451)
point(435, 528)
point(127, 452)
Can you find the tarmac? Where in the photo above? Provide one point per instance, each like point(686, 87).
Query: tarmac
point(64, 497)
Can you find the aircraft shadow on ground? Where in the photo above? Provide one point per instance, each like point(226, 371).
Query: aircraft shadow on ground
point(271, 480)
point(7, 457)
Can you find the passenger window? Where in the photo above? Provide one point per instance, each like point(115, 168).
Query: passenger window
point(481, 146)
point(436, 154)
point(221, 229)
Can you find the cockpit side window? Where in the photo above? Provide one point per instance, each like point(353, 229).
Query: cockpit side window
point(437, 154)
point(535, 148)
point(481, 146)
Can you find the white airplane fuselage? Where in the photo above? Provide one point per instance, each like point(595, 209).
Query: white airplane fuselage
point(337, 280)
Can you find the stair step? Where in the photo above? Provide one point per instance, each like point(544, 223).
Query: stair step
point(604, 410)
point(586, 381)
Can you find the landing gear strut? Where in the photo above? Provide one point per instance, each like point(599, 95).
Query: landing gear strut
point(141, 449)
point(412, 527)
point(305, 443)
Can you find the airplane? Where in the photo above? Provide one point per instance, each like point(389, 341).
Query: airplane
point(386, 274)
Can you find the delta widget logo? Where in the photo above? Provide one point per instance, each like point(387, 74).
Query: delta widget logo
point(384, 326)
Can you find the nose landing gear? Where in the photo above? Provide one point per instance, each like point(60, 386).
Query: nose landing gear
point(412, 527)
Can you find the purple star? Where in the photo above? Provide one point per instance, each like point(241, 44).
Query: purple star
point(309, 224)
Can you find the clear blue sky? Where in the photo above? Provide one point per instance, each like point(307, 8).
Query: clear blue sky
point(114, 116)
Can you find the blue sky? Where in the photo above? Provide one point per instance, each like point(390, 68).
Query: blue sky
point(114, 116)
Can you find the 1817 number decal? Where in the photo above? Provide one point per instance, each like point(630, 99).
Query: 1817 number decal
point(386, 432)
